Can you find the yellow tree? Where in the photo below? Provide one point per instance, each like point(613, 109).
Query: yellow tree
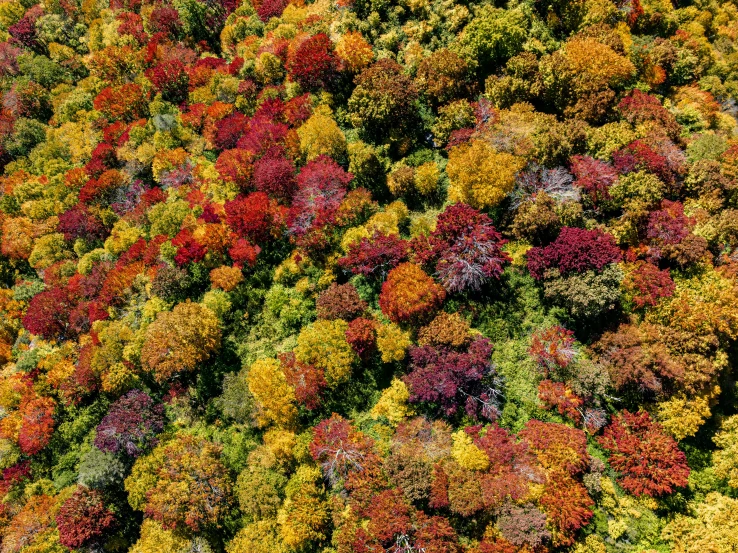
point(480, 175)
point(274, 397)
point(178, 340)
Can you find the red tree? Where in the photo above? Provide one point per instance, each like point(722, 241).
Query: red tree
point(552, 347)
point(83, 518)
point(313, 64)
point(37, 424)
point(465, 249)
point(339, 448)
point(648, 459)
point(574, 251)
point(254, 217)
point(593, 176)
point(375, 256)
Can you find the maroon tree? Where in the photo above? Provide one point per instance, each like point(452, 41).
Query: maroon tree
point(574, 251)
point(464, 249)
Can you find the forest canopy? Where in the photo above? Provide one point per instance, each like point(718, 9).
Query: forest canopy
point(368, 276)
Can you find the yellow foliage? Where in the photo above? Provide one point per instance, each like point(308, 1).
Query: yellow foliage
point(392, 342)
point(591, 544)
point(321, 135)
point(725, 459)
point(393, 405)
point(704, 304)
point(142, 478)
point(47, 250)
point(480, 175)
point(122, 236)
point(323, 344)
point(714, 527)
point(218, 302)
point(180, 339)
point(257, 537)
point(355, 51)
point(426, 178)
point(681, 416)
point(303, 515)
point(155, 539)
point(274, 397)
point(597, 64)
point(281, 443)
point(468, 455)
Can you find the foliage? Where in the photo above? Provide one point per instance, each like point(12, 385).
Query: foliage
point(131, 425)
point(83, 518)
point(648, 460)
point(479, 175)
point(254, 257)
point(409, 294)
point(180, 339)
point(574, 251)
point(181, 484)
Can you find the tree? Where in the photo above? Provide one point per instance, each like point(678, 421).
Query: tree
point(442, 76)
point(465, 249)
point(593, 176)
point(449, 378)
point(273, 396)
point(375, 256)
point(355, 52)
point(552, 347)
point(178, 340)
point(479, 175)
point(339, 448)
point(321, 187)
point(361, 335)
point(313, 64)
point(644, 284)
point(323, 344)
point(31, 521)
point(648, 460)
point(383, 100)
point(410, 295)
point(83, 518)
point(574, 251)
point(182, 484)
point(274, 174)
point(340, 301)
point(37, 424)
point(131, 425)
point(321, 135)
point(254, 217)
point(724, 460)
point(171, 79)
point(492, 36)
point(307, 380)
point(713, 525)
